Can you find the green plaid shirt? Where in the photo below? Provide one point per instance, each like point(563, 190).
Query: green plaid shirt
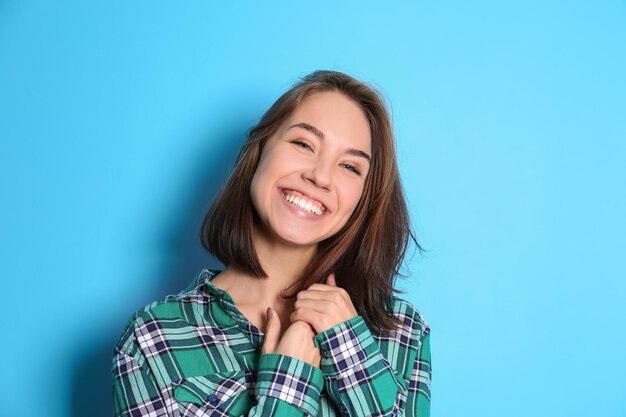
point(195, 354)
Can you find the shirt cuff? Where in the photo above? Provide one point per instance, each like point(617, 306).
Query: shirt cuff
point(345, 345)
point(292, 380)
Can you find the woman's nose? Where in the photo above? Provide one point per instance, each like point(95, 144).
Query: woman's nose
point(320, 175)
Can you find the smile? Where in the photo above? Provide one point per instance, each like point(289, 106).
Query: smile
point(303, 202)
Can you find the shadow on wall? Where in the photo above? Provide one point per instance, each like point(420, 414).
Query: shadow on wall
point(183, 258)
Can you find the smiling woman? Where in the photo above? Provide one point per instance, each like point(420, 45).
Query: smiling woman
point(312, 228)
point(309, 168)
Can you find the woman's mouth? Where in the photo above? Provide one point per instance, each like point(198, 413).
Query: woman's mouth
point(303, 202)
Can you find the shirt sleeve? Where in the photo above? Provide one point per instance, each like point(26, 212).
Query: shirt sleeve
point(286, 387)
point(418, 399)
point(135, 392)
point(360, 379)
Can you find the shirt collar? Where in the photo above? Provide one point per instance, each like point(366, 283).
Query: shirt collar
point(203, 282)
point(205, 286)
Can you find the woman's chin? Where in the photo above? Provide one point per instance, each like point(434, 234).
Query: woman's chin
point(298, 242)
point(297, 238)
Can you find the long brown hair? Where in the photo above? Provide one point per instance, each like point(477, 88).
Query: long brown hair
point(366, 254)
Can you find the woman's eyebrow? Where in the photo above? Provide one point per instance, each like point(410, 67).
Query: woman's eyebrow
point(310, 128)
point(321, 136)
point(358, 152)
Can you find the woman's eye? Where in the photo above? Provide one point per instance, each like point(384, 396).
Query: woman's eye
point(301, 144)
point(352, 168)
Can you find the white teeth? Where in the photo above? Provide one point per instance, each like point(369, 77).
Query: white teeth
point(304, 204)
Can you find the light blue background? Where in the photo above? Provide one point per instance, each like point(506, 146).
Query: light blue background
point(119, 121)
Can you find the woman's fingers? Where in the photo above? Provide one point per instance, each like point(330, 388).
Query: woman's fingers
point(315, 295)
point(318, 321)
point(319, 305)
point(323, 305)
point(272, 332)
point(322, 287)
point(298, 343)
point(330, 280)
point(337, 297)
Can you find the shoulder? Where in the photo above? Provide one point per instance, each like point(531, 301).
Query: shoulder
point(170, 308)
point(402, 345)
point(410, 317)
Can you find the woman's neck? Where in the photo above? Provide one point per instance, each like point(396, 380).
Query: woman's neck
point(283, 265)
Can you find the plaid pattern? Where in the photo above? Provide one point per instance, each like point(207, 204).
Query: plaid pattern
point(291, 380)
point(195, 354)
point(361, 380)
point(215, 394)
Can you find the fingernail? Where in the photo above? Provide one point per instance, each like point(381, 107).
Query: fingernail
point(269, 313)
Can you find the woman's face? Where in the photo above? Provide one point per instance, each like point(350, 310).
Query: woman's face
point(312, 171)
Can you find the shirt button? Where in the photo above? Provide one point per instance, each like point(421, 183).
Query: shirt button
point(324, 354)
point(213, 400)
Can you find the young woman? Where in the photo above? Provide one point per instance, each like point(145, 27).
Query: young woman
point(312, 227)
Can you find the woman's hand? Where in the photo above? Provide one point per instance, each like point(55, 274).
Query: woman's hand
point(323, 306)
point(297, 341)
